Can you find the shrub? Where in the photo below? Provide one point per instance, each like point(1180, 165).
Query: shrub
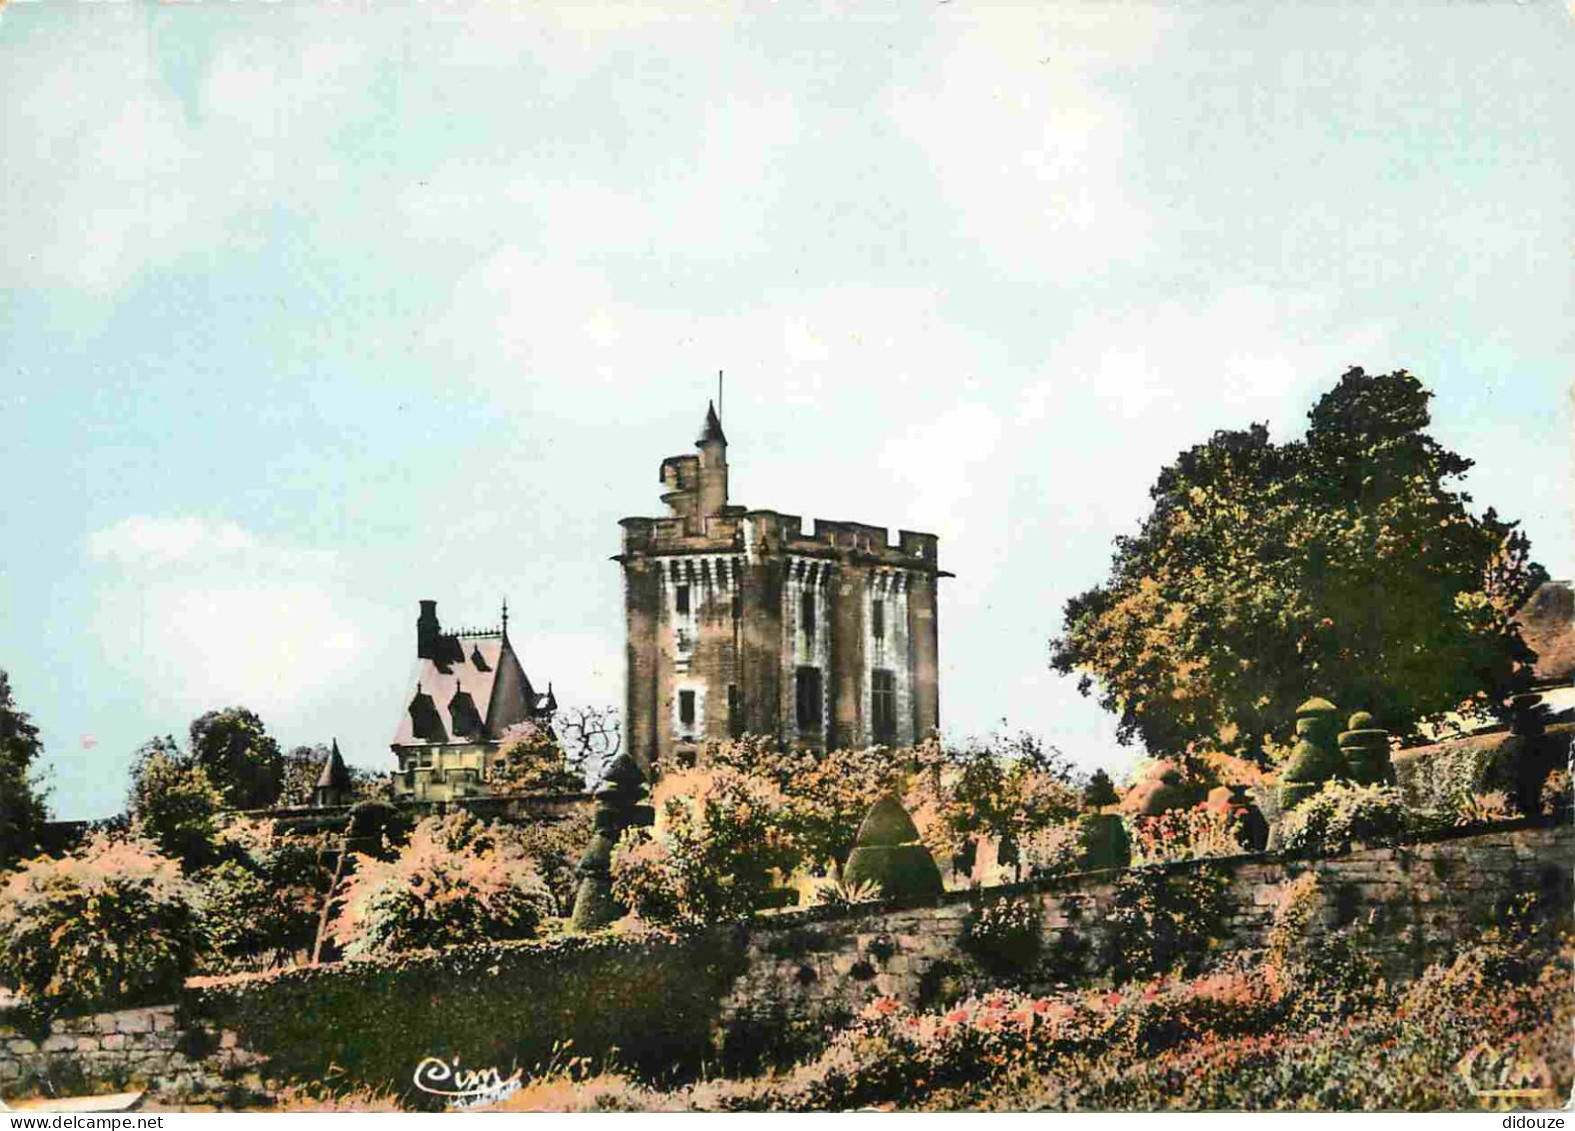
point(716, 851)
point(112, 924)
point(830, 892)
point(530, 759)
point(1342, 815)
point(1005, 935)
point(244, 923)
point(1195, 833)
point(1053, 850)
point(174, 804)
point(1161, 922)
point(456, 882)
point(1558, 792)
point(1326, 972)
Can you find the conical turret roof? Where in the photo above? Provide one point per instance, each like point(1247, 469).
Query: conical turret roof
point(713, 426)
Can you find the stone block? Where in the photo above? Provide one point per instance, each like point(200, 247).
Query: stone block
point(104, 1023)
point(228, 1039)
point(87, 1044)
point(134, 1021)
point(113, 1040)
point(10, 1070)
point(59, 1042)
point(163, 1020)
point(21, 1046)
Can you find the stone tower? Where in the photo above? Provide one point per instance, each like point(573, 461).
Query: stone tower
point(739, 622)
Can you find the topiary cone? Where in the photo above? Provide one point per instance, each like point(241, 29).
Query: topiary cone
point(887, 853)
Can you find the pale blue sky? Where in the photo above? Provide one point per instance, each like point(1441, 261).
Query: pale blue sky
point(308, 312)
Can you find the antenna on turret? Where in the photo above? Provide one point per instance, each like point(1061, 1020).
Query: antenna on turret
point(719, 394)
point(505, 614)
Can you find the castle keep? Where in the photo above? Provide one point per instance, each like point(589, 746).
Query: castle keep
point(739, 622)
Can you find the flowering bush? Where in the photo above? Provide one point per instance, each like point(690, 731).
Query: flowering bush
point(457, 882)
point(1005, 934)
point(718, 847)
point(1053, 850)
point(111, 924)
point(1558, 792)
point(1344, 814)
point(1186, 834)
point(1162, 922)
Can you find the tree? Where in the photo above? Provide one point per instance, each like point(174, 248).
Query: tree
point(530, 759)
point(591, 738)
point(110, 925)
point(241, 758)
point(304, 764)
point(22, 808)
point(1342, 564)
point(174, 804)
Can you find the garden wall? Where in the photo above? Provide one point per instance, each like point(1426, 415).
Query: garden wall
point(130, 1048)
point(808, 968)
point(756, 993)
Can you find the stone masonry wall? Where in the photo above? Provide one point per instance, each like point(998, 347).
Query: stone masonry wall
point(806, 969)
point(130, 1048)
point(759, 992)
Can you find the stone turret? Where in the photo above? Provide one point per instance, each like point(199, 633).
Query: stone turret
point(1316, 758)
point(1365, 750)
point(618, 807)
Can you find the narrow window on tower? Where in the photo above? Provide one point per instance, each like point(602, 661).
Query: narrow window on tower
point(735, 711)
point(809, 702)
point(681, 600)
point(807, 611)
point(738, 605)
point(686, 708)
point(878, 619)
point(883, 706)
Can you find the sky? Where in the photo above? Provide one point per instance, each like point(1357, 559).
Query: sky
point(311, 311)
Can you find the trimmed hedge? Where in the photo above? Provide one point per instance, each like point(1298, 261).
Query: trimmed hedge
point(645, 1002)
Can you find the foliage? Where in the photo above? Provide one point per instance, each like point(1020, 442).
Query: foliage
point(1186, 834)
point(174, 803)
point(718, 847)
point(1053, 850)
point(652, 997)
point(556, 845)
point(830, 892)
point(1484, 808)
point(1558, 791)
point(111, 924)
point(1342, 815)
point(241, 758)
point(1001, 787)
point(22, 808)
point(260, 903)
point(1162, 921)
point(1342, 562)
point(304, 764)
point(1100, 791)
point(530, 759)
point(457, 882)
point(1005, 935)
point(824, 796)
point(1327, 973)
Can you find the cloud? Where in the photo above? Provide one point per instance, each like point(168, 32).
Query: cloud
point(203, 613)
point(1025, 142)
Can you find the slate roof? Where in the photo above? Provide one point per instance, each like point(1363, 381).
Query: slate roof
point(335, 775)
point(713, 425)
point(472, 692)
point(1547, 625)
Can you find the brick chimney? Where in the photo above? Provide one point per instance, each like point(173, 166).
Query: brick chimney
point(427, 631)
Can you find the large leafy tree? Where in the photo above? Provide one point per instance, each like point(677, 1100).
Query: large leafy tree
point(240, 756)
point(174, 804)
point(1344, 564)
point(22, 809)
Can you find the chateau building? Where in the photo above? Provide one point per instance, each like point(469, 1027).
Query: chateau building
point(469, 688)
point(740, 622)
